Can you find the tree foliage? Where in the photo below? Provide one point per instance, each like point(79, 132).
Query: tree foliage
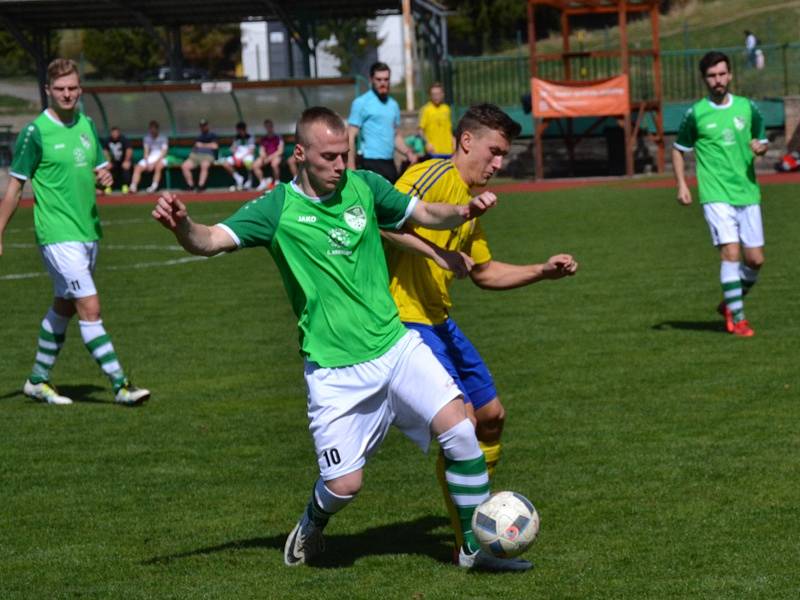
point(215, 48)
point(355, 42)
point(122, 53)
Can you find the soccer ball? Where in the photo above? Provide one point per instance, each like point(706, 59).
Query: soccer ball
point(505, 524)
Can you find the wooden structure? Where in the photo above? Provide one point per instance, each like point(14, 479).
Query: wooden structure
point(638, 107)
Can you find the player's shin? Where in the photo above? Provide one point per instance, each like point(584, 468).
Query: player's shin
point(492, 453)
point(51, 339)
point(324, 504)
point(749, 277)
point(99, 345)
point(466, 476)
point(732, 289)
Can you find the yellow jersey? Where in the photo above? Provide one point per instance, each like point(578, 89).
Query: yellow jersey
point(437, 127)
point(418, 285)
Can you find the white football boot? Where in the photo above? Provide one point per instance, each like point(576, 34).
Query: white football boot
point(483, 561)
point(305, 541)
point(130, 395)
point(44, 391)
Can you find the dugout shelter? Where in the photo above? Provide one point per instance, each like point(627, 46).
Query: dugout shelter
point(31, 21)
point(572, 96)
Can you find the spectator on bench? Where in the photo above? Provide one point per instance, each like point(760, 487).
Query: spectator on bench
point(270, 153)
point(119, 152)
point(154, 157)
point(203, 155)
point(243, 151)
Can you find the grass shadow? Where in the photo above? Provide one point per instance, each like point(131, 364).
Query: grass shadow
point(715, 326)
point(84, 393)
point(410, 537)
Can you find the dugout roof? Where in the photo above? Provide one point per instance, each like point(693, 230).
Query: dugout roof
point(40, 15)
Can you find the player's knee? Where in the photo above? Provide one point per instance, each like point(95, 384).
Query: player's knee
point(346, 485)
point(459, 442)
point(754, 262)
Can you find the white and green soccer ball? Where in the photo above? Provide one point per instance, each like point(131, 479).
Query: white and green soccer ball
point(505, 524)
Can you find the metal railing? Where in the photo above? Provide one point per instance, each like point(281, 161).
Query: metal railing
point(503, 79)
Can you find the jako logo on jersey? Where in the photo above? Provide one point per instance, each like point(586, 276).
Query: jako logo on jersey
point(58, 146)
point(85, 141)
point(356, 218)
point(738, 122)
point(711, 126)
point(306, 219)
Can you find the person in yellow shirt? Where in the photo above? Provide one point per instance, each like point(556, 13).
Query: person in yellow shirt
point(436, 125)
point(420, 279)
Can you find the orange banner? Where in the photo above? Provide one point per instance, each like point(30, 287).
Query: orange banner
point(579, 99)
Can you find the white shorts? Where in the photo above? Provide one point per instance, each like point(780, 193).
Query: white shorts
point(71, 265)
point(351, 408)
point(151, 160)
point(245, 160)
point(733, 224)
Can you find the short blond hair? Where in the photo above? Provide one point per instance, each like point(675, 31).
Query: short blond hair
point(61, 67)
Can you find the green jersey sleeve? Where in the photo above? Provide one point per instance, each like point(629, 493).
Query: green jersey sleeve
point(27, 152)
point(255, 223)
point(757, 128)
point(687, 132)
point(392, 207)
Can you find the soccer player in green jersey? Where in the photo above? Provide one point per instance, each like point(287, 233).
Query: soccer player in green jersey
point(61, 156)
point(726, 132)
point(364, 371)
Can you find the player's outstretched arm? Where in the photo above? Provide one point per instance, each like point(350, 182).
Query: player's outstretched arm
point(679, 166)
point(496, 275)
point(447, 216)
point(9, 205)
point(194, 237)
point(457, 262)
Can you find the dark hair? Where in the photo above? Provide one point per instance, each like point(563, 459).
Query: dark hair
point(378, 66)
point(153, 123)
point(60, 67)
point(487, 116)
point(115, 128)
point(317, 114)
point(436, 84)
point(268, 121)
point(712, 58)
point(241, 125)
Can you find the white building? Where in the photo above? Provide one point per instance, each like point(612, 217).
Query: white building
point(265, 50)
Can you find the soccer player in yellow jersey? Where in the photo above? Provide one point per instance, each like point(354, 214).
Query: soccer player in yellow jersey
point(435, 124)
point(420, 286)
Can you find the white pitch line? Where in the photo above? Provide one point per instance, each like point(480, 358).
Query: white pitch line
point(171, 248)
point(142, 265)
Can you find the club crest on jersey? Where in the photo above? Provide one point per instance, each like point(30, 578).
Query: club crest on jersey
point(85, 141)
point(738, 122)
point(356, 218)
point(339, 240)
point(79, 156)
point(728, 137)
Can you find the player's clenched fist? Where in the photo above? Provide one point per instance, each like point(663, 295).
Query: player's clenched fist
point(560, 265)
point(169, 211)
point(479, 205)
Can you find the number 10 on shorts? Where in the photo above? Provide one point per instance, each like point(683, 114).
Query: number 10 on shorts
point(331, 457)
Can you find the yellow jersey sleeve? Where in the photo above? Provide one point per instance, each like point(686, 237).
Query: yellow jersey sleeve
point(418, 285)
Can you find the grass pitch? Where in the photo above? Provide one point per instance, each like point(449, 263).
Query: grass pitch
point(660, 451)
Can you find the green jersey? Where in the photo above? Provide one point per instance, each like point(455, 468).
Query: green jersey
point(60, 160)
point(720, 135)
point(330, 256)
